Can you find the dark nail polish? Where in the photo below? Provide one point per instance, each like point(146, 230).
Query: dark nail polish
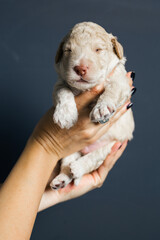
point(133, 74)
point(120, 146)
point(133, 91)
point(129, 105)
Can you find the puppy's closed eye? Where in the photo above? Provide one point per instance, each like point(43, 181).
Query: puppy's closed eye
point(67, 50)
point(98, 49)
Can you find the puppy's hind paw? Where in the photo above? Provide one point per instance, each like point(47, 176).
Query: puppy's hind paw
point(77, 181)
point(60, 181)
point(76, 170)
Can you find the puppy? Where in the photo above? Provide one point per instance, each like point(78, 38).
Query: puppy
point(85, 57)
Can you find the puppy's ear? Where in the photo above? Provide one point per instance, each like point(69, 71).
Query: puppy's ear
point(59, 53)
point(117, 48)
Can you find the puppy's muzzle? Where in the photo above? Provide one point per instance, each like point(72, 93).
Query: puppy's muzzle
point(81, 70)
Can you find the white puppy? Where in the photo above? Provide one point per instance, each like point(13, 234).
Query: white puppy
point(86, 56)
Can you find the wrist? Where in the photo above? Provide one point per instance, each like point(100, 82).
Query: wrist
point(49, 199)
point(49, 136)
point(35, 147)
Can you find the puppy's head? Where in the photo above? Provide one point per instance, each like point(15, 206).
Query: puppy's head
point(86, 55)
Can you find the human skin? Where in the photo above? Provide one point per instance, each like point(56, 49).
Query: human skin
point(21, 193)
point(88, 182)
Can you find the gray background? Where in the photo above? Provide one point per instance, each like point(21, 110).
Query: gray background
point(128, 204)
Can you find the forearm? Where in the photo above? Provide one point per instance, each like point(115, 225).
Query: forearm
point(20, 207)
point(49, 199)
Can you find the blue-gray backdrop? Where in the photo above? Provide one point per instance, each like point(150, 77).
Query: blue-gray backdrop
point(128, 204)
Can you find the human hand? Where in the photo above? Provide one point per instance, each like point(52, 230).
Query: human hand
point(64, 142)
point(88, 182)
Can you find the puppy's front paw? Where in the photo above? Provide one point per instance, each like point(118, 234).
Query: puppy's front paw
point(65, 115)
point(102, 112)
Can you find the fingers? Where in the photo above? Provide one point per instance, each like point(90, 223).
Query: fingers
point(120, 111)
point(129, 74)
point(131, 78)
point(103, 128)
point(116, 154)
point(111, 159)
point(85, 98)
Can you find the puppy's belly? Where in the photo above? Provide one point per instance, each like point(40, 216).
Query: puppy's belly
point(96, 145)
point(120, 131)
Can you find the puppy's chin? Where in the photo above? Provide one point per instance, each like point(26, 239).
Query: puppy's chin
point(81, 85)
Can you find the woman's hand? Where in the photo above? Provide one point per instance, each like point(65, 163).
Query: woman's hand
point(91, 180)
point(64, 142)
point(88, 182)
point(96, 178)
point(45, 147)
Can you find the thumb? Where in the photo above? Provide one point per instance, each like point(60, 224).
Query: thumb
point(130, 79)
point(85, 98)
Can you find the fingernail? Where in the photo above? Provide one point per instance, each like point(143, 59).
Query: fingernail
point(133, 74)
point(120, 146)
point(129, 105)
point(116, 146)
point(98, 87)
point(133, 91)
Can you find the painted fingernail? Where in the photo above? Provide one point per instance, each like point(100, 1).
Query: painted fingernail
point(104, 121)
point(129, 105)
point(120, 146)
point(133, 91)
point(133, 74)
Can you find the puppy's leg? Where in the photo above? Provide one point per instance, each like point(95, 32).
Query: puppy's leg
point(89, 162)
point(65, 114)
point(65, 177)
point(115, 94)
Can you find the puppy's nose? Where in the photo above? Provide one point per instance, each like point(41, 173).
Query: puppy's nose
point(80, 70)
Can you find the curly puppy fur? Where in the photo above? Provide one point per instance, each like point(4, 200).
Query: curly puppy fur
point(85, 57)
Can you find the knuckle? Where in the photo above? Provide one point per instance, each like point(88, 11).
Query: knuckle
point(88, 134)
point(97, 89)
point(99, 183)
point(90, 141)
point(94, 138)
